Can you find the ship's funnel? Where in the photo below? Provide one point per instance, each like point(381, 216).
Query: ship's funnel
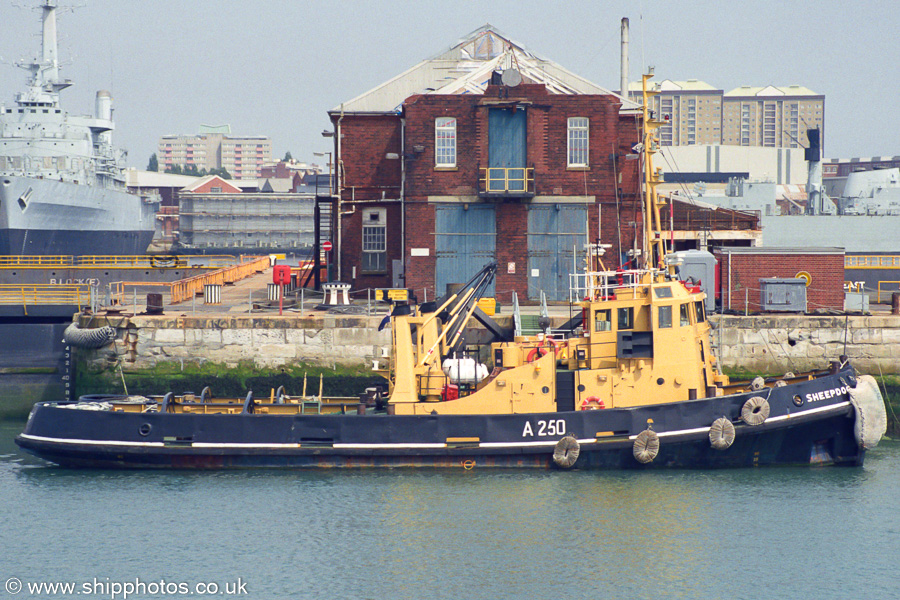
point(103, 108)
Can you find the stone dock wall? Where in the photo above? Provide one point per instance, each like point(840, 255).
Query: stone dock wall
point(763, 343)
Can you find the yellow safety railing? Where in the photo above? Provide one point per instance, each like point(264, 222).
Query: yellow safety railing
point(44, 293)
point(507, 180)
point(872, 261)
point(185, 289)
point(896, 283)
point(118, 262)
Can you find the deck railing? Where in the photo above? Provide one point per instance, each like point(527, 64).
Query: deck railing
point(35, 294)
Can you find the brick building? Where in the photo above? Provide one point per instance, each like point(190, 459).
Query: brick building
point(740, 271)
point(483, 153)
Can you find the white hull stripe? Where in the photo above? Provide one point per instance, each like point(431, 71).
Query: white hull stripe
point(812, 411)
point(399, 446)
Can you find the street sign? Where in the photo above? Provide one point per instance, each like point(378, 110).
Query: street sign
point(326, 246)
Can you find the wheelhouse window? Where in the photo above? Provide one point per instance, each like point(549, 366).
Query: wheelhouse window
point(685, 316)
point(665, 317)
point(602, 320)
point(700, 311)
point(578, 142)
point(445, 142)
point(626, 318)
point(374, 241)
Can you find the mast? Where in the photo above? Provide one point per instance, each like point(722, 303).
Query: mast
point(654, 245)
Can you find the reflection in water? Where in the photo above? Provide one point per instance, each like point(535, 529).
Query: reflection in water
point(462, 534)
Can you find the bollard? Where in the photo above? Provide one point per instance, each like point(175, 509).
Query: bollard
point(895, 303)
point(154, 304)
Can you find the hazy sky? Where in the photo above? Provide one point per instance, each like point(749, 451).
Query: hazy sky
point(275, 67)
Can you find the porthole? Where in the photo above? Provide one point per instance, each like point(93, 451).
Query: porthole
point(145, 429)
point(798, 401)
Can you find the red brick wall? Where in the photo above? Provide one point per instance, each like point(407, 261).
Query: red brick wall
point(227, 188)
point(826, 290)
point(367, 174)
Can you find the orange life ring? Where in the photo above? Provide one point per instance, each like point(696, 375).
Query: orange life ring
point(536, 353)
point(592, 403)
point(541, 350)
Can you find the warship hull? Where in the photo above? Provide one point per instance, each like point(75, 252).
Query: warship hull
point(46, 217)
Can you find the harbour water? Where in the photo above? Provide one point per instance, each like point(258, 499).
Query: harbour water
point(811, 533)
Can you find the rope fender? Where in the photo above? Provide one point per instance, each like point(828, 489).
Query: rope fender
point(88, 338)
point(755, 411)
point(871, 416)
point(721, 434)
point(646, 446)
point(566, 452)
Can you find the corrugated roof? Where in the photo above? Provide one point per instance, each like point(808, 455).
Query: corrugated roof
point(466, 68)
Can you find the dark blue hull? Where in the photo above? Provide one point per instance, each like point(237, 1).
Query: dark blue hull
point(820, 430)
point(73, 242)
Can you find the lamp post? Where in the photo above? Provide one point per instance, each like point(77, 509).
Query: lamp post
point(331, 217)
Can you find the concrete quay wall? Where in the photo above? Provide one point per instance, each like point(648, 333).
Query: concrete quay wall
point(778, 343)
point(270, 341)
point(763, 343)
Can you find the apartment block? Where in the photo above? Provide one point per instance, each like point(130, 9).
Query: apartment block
point(215, 148)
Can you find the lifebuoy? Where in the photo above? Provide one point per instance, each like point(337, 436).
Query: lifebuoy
point(539, 351)
point(592, 403)
point(646, 446)
point(755, 411)
point(721, 434)
point(566, 452)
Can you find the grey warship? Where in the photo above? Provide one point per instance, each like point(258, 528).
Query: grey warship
point(62, 183)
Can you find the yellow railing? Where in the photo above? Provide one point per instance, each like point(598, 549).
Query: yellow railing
point(872, 261)
point(896, 283)
point(503, 180)
point(43, 294)
point(185, 289)
point(118, 262)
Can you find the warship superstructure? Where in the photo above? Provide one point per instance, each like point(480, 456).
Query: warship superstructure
point(62, 183)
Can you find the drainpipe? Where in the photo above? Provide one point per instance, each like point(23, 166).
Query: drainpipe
point(403, 197)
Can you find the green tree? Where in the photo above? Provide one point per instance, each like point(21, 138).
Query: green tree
point(153, 165)
point(287, 157)
point(176, 170)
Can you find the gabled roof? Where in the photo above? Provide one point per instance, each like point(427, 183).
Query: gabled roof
point(227, 186)
point(281, 185)
point(466, 68)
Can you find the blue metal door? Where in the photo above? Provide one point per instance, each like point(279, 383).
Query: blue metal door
point(465, 241)
point(557, 235)
point(506, 149)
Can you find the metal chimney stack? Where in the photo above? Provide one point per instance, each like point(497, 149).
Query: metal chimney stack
point(623, 83)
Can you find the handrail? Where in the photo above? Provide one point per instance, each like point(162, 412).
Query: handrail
point(872, 261)
point(505, 180)
point(887, 291)
point(44, 294)
point(185, 289)
point(143, 261)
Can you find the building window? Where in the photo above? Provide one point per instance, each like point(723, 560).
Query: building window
point(626, 318)
point(445, 142)
point(578, 142)
point(374, 241)
point(215, 190)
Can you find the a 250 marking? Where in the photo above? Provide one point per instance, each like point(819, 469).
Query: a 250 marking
point(549, 428)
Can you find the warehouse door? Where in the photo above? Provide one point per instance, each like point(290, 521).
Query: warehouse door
point(465, 241)
point(557, 235)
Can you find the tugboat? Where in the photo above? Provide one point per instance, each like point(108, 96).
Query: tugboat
point(634, 385)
